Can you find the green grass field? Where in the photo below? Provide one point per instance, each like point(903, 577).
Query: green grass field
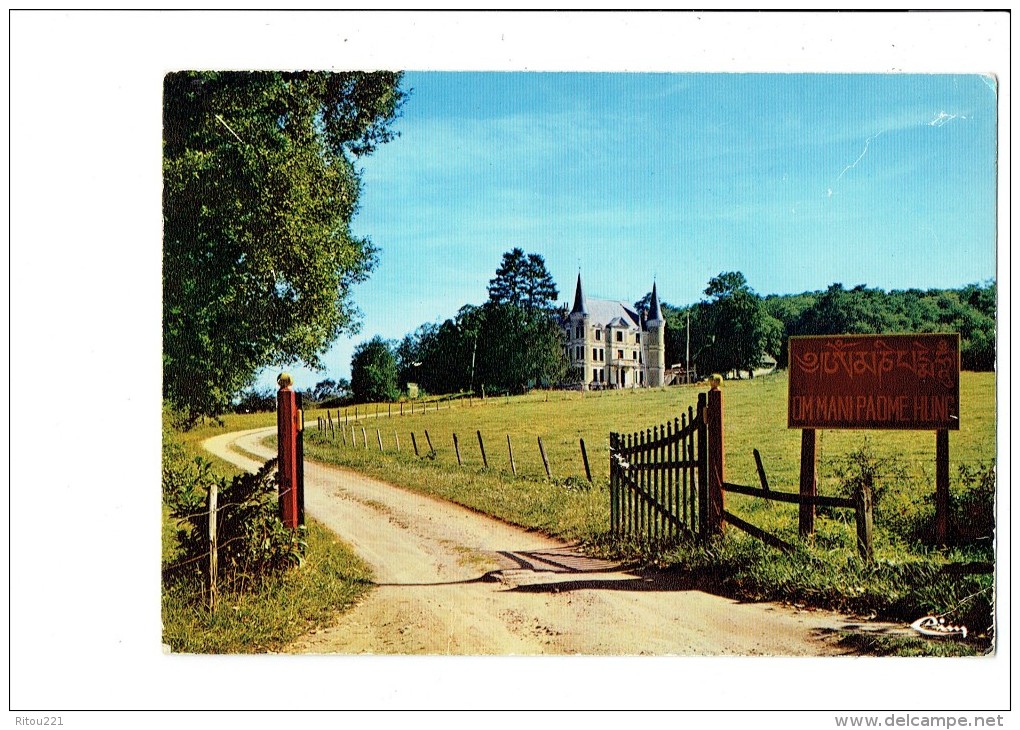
point(754, 416)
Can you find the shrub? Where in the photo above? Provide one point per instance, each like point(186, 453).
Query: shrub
point(253, 542)
point(973, 507)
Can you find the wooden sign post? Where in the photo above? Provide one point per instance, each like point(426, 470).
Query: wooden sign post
point(906, 382)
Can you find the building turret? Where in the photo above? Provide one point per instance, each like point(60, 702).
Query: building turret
point(656, 325)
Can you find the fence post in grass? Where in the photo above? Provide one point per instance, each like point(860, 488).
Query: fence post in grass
point(761, 471)
point(396, 437)
point(481, 446)
point(716, 466)
point(941, 486)
point(414, 443)
point(545, 461)
point(213, 551)
point(702, 466)
point(456, 448)
point(808, 481)
point(584, 457)
point(364, 437)
point(865, 522)
point(288, 426)
point(378, 437)
point(428, 440)
point(510, 448)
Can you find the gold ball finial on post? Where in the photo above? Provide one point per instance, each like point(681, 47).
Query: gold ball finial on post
point(284, 380)
point(715, 381)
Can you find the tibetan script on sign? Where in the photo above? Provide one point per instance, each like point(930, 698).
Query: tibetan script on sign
point(875, 381)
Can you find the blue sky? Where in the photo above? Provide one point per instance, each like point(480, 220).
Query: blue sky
point(796, 180)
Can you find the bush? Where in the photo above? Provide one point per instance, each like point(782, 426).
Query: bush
point(253, 542)
point(973, 507)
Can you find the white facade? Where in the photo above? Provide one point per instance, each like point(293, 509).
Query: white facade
point(611, 345)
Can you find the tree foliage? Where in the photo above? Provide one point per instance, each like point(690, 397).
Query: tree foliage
point(970, 311)
point(259, 189)
point(374, 372)
point(523, 281)
point(741, 329)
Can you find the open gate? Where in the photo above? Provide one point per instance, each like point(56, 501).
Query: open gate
point(658, 478)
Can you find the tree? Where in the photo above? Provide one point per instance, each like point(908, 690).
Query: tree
point(522, 342)
point(259, 189)
point(741, 328)
point(374, 372)
point(523, 281)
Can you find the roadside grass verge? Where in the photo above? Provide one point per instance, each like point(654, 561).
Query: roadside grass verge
point(330, 579)
point(905, 581)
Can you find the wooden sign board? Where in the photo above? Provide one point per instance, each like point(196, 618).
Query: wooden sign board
point(875, 382)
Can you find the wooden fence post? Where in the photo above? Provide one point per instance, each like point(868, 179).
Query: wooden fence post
point(378, 437)
point(510, 448)
point(865, 522)
point(414, 443)
point(941, 486)
point(481, 446)
point(213, 550)
point(702, 447)
point(396, 437)
point(456, 448)
point(808, 481)
point(584, 457)
point(288, 420)
point(364, 437)
point(761, 471)
point(716, 465)
point(545, 461)
point(432, 449)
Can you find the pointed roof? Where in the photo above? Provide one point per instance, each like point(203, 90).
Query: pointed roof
point(579, 303)
point(654, 310)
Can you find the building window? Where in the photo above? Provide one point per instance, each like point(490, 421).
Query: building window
point(619, 336)
point(579, 353)
point(579, 332)
point(594, 353)
point(602, 354)
point(634, 355)
point(598, 334)
point(637, 338)
point(619, 354)
point(642, 376)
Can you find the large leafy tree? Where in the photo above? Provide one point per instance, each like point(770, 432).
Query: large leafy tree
point(374, 372)
point(741, 328)
point(523, 343)
point(259, 189)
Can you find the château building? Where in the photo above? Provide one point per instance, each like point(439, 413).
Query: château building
point(612, 345)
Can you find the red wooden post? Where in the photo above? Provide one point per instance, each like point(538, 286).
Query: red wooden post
point(716, 465)
point(941, 486)
point(808, 480)
point(288, 424)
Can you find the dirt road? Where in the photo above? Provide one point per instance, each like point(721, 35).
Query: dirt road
point(452, 581)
